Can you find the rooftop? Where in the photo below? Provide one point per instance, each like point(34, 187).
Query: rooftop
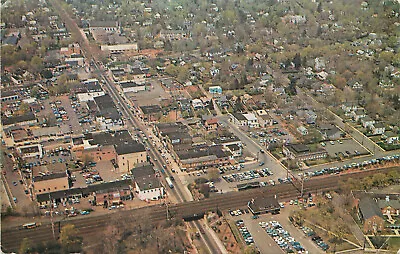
point(18, 119)
point(109, 138)
point(151, 109)
point(129, 147)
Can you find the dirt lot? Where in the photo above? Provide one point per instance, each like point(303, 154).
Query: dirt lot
point(225, 234)
point(151, 97)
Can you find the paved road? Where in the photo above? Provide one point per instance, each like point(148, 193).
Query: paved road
point(254, 148)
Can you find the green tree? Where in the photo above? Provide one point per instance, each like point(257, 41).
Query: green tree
point(36, 64)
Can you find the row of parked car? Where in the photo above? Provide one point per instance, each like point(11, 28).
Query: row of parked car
point(248, 175)
point(244, 232)
point(59, 111)
point(354, 165)
point(282, 237)
point(317, 239)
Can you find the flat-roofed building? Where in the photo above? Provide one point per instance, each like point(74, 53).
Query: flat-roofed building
point(51, 182)
point(302, 152)
point(147, 185)
point(131, 86)
point(30, 151)
point(130, 154)
point(120, 48)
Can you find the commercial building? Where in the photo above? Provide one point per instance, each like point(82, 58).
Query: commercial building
point(147, 185)
point(51, 182)
point(302, 152)
point(129, 155)
point(130, 86)
point(20, 120)
point(120, 48)
point(264, 205)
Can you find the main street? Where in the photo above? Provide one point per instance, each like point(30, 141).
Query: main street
point(131, 121)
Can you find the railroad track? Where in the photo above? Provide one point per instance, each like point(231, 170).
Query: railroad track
point(87, 226)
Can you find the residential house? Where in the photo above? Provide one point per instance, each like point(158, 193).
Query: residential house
point(302, 152)
point(223, 102)
point(367, 122)
point(211, 124)
point(215, 90)
point(330, 132)
point(377, 128)
point(197, 104)
point(302, 130)
point(391, 137)
point(370, 214)
point(389, 205)
point(310, 116)
point(358, 114)
point(264, 118)
point(147, 185)
point(137, 74)
point(72, 49)
point(173, 35)
point(130, 154)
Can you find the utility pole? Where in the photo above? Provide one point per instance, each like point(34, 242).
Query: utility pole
point(51, 217)
point(166, 205)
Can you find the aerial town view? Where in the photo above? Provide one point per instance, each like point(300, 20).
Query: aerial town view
point(200, 126)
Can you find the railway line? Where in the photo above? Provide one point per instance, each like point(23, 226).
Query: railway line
point(88, 226)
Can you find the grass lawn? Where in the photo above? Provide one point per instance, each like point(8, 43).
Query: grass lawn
point(394, 243)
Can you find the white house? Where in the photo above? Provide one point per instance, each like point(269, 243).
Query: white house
point(252, 120)
point(377, 128)
point(349, 106)
point(367, 121)
point(358, 114)
point(391, 137)
point(197, 104)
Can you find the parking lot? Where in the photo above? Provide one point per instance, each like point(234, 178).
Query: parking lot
point(265, 242)
point(66, 113)
point(344, 148)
